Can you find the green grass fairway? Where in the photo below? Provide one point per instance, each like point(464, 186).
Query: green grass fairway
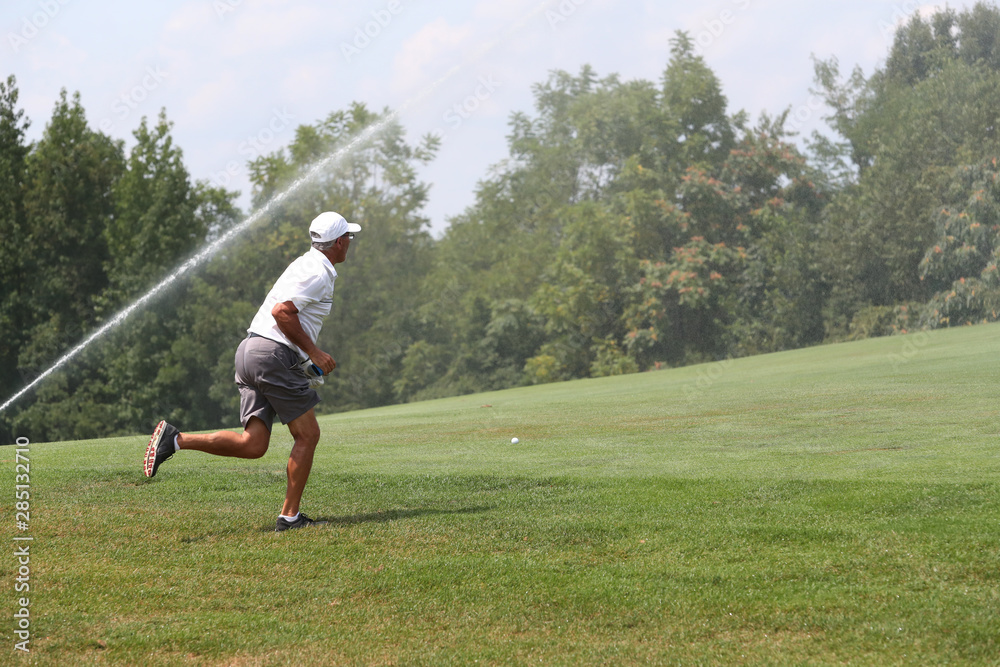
point(836, 505)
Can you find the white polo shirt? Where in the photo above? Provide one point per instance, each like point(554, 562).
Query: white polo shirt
point(307, 283)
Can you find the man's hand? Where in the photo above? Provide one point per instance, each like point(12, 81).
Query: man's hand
point(323, 360)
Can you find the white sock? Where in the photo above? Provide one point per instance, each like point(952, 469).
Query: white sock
point(177, 447)
point(290, 519)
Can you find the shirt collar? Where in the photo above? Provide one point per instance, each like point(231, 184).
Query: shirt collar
point(325, 261)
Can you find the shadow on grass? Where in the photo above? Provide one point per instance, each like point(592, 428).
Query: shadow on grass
point(381, 516)
point(394, 515)
point(384, 516)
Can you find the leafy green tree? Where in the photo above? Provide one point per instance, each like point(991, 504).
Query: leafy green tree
point(159, 362)
point(693, 99)
point(68, 204)
point(67, 197)
point(920, 48)
point(961, 266)
point(743, 277)
point(636, 205)
point(149, 217)
point(421, 366)
point(15, 304)
point(156, 217)
point(931, 109)
point(581, 294)
point(783, 291)
point(978, 35)
point(592, 187)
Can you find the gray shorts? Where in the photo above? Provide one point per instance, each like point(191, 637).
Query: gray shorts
point(271, 382)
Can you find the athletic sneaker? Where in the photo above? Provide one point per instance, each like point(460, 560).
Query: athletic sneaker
point(301, 522)
point(160, 447)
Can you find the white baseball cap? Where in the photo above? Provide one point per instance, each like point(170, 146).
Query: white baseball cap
point(330, 226)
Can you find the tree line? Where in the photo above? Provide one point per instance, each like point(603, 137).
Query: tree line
point(635, 225)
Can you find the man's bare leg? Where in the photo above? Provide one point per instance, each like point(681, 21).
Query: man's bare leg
point(250, 444)
point(305, 431)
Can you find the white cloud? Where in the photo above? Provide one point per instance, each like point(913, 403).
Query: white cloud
point(504, 12)
point(209, 98)
point(433, 50)
point(270, 26)
point(927, 10)
point(189, 16)
point(58, 54)
point(310, 81)
point(249, 29)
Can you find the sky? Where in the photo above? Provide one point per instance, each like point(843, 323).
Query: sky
point(236, 77)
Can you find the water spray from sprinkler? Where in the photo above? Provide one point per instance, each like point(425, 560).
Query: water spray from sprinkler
point(212, 248)
point(320, 167)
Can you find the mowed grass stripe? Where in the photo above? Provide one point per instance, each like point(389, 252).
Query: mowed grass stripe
point(836, 504)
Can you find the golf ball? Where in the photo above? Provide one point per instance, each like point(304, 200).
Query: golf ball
point(514, 441)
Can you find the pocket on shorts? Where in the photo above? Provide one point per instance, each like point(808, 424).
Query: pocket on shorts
point(287, 357)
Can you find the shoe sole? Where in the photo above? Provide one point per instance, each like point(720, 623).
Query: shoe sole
point(154, 443)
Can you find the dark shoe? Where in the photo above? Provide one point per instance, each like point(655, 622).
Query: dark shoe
point(160, 447)
point(301, 522)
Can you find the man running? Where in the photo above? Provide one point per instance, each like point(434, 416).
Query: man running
point(272, 365)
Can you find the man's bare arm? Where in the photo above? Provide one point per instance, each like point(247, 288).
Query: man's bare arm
point(287, 317)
